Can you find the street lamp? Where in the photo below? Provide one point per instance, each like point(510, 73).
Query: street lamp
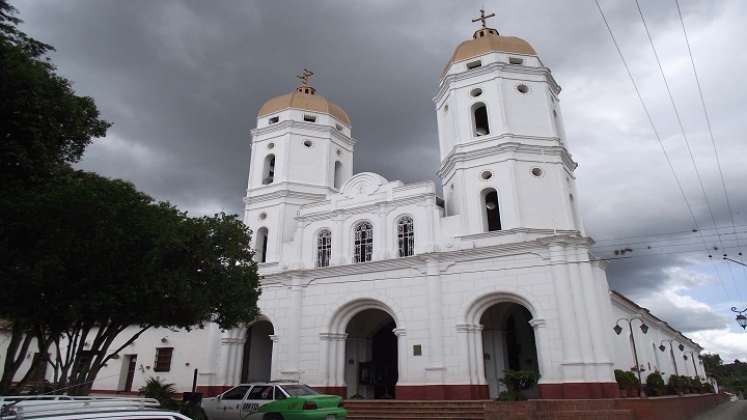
point(644, 328)
point(671, 353)
point(741, 319)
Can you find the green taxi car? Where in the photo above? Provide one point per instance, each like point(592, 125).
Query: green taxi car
point(273, 401)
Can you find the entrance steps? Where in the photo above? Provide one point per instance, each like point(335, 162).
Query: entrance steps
point(410, 410)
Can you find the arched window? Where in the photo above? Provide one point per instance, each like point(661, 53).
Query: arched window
point(323, 248)
point(268, 174)
point(480, 119)
point(261, 245)
point(362, 242)
point(338, 174)
point(491, 211)
point(406, 236)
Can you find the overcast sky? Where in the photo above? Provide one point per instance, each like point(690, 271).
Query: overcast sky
point(182, 82)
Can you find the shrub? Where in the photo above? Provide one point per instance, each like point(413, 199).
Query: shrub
point(676, 384)
point(620, 378)
point(163, 392)
point(707, 387)
point(655, 384)
point(517, 381)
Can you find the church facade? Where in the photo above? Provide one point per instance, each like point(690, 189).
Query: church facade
point(373, 288)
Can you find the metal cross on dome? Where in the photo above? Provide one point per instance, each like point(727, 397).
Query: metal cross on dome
point(483, 17)
point(305, 76)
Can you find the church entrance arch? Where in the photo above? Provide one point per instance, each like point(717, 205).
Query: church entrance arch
point(371, 355)
point(508, 343)
point(256, 364)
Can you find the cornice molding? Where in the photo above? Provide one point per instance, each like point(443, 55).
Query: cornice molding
point(279, 194)
point(289, 125)
point(499, 71)
point(385, 205)
point(456, 156)
point(537, 247)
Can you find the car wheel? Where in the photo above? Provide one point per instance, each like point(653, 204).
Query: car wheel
point(273, 416)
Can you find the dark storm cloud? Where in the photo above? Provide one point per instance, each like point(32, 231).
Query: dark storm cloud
point(182, 82)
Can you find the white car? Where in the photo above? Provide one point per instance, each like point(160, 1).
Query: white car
point(63, 407)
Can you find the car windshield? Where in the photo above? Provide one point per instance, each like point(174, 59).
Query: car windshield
point(299, 390)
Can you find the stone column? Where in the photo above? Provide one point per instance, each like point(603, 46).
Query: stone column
point(340, 359)
point(294, 331)
point(479, 356)
point(543, 355)
point(572, 370)
point(597, 329)
point(402, 355)
point(465, 352)
point(274, 368)
point(435, 316)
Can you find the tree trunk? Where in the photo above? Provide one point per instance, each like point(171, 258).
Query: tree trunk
point(14, 356)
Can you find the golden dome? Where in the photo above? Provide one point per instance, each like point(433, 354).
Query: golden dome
point(486, 40)
point(304, 98)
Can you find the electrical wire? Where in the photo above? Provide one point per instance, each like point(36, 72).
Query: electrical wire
point(709, 127)
point(655, 131)
point(682, 128)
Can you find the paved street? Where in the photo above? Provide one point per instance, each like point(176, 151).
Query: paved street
point(732, 410)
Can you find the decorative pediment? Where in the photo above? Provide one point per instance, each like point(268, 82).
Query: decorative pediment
point(364, 183)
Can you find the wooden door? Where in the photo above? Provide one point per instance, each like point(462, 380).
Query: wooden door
point(130, 371)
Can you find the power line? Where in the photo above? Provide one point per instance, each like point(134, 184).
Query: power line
point(654, 129)
point(707, 119)
point(681, 126)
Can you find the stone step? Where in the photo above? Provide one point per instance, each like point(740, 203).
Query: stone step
point(421, 413)
point(586, 415)
point(402, 417)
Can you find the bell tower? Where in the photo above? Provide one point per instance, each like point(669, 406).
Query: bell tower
point(504, 161)
point(302, 150)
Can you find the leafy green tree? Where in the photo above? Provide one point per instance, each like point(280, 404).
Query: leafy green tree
point(90, 256)
point(45, 125)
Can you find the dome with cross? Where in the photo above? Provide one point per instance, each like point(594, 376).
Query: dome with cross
point(486, 40)
point(304, 98)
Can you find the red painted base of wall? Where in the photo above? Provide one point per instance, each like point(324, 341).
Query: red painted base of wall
point(114, 391)
point(658, 408)
point(580, 390)
point(670, 408)
point(333, 390)
point(212, 390)
point(441, 392)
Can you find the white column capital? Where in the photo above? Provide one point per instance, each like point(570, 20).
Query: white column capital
point(537, 323)
point(399, 332)
point(329, 336)
point(274, 337)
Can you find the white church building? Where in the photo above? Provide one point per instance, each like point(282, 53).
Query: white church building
point(374, 288)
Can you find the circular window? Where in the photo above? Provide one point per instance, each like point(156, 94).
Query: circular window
point(486, 175)
point(262, 216)
point(536, 171)
point(339, 152)
point(522, 88)
point(446, 108)
point(270, 145)
point(307, 143)
point(475, 92)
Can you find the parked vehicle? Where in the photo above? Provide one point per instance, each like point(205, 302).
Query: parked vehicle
point(63, 407)
point(273, 401)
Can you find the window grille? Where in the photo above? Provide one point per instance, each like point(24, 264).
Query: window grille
point(363, 242)
point(406, 235)
point(163, 359)
point(323, 248)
